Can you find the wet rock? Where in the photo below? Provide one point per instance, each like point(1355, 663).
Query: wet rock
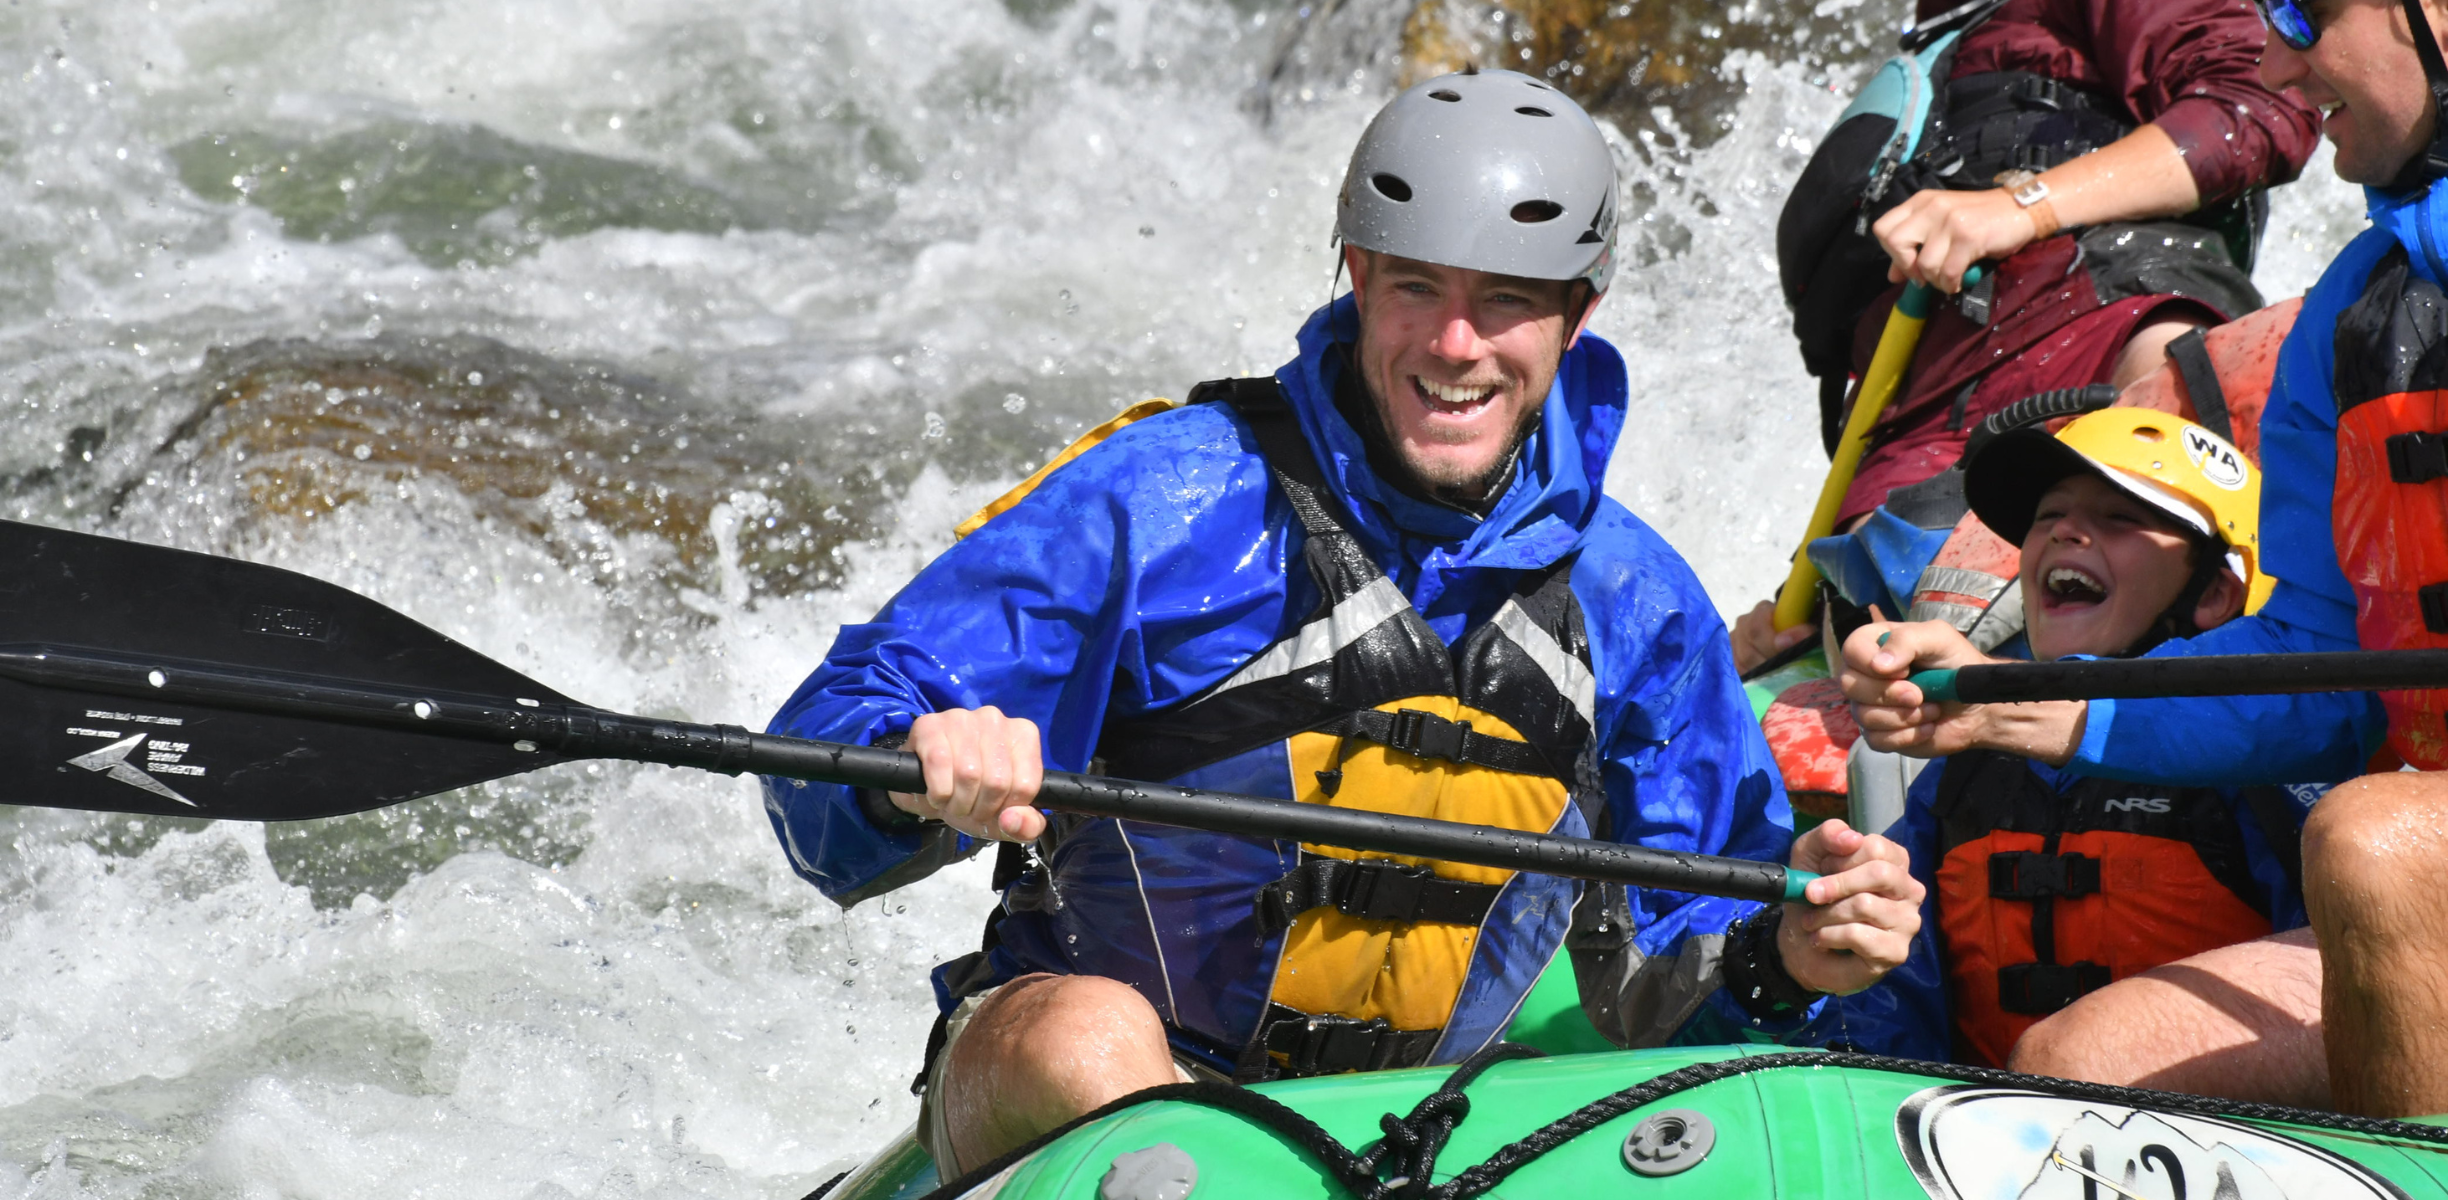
point(1625, 59)
point(454, 193)
point(571, 453)
point(1648, 65)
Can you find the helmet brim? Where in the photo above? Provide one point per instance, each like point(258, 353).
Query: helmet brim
point(2006, 479)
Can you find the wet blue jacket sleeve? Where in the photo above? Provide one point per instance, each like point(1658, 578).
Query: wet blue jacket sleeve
point(1056, 610)
point(2244, 740)
point(1685, 768)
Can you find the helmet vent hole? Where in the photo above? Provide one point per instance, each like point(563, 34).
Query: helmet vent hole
point(1532, 212)
point(1391, 187)
point(1449, 97)
point(1529, 111)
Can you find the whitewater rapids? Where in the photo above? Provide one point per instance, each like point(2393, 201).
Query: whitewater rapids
point(349, 288)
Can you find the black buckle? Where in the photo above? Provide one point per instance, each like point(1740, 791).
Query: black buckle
point(2417, 457)
point(2022, 875)
point(1427, 735)
point(2037, 989)
point(1383, 890)
point(1328, 1045)
point(2434, 600)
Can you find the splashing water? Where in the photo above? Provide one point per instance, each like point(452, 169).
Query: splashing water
point(639, 345)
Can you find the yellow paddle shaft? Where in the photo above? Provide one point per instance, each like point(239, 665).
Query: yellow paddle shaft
point(1895, 352)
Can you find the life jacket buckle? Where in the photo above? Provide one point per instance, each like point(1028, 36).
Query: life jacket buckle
point(2417, 457)
point(2433, 598)
point(2022, 875)
point(1427, 735)
point(2037, 989)
point(1327, 1044)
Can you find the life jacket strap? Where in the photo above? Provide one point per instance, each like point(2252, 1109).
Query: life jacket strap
point(2432, 598)
point(2024, 875)
point(1330, 1045)
point(2041, 988)
point(2417, 457)
point(1427, 735)
point(1373, 889)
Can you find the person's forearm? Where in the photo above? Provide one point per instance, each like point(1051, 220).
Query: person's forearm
point(2138, 176)
point(2048, 730)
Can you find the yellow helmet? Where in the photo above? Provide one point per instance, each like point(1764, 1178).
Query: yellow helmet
point(2170, 463)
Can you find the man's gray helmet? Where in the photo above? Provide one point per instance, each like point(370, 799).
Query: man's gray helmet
point(1493, 171)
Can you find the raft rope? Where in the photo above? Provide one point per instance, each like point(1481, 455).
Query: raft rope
point(1399, 1166)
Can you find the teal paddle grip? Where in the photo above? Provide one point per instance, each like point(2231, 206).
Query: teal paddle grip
point(1937, 686)
point(1795, 881)
point(1920, 298)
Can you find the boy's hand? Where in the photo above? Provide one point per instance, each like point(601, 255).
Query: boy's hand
point(1892, 712)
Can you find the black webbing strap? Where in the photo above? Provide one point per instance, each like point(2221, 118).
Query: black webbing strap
point(1373, 888)
point(2191, 354)
point(1328, 1045)
point(2418, 457)
point(2023, 875)
point(2037, 989)
point(1261, 403)
point(1427, 735)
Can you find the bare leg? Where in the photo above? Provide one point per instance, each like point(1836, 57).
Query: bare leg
point(2371, 852)
point(2147, 348)
point(1042, 1050)
point(2241, 1021)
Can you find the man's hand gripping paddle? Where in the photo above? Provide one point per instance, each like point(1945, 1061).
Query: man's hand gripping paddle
point(140, 679)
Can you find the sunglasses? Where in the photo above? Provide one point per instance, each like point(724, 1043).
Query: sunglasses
point(2289, 21)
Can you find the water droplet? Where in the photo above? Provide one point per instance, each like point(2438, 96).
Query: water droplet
point(1014, 402)
point(362, 452)
point(157, 679)
point(424, 710)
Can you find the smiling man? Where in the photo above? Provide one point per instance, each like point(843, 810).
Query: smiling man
point(2354, 519)
point(1385, 578)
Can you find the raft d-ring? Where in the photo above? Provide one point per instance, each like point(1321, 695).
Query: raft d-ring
point(1163, 1171)
point(1669, 1143)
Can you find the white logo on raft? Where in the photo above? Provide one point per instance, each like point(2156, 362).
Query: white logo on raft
point(2148, 804)
point(1969, 1142)
point(2218, 462)
point(160, 758)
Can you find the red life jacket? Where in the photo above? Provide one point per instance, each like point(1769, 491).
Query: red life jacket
point(2046, 894)
point(2390, 515)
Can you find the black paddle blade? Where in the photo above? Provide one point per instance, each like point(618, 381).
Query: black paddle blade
point(112, 752)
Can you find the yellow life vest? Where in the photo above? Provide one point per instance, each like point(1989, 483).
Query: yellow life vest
point(1376, 712)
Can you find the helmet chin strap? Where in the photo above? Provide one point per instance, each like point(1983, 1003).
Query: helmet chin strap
point(2432, 163)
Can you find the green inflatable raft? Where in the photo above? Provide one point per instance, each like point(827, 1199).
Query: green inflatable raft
point(1732, 1122)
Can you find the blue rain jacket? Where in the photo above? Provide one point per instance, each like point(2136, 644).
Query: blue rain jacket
point(2316, 737)
point(1154, 565)
point(1907, 1012)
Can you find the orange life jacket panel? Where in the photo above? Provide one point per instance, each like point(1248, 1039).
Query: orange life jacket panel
point(2048, 893)
point(2390, 515)
point(2241, 357)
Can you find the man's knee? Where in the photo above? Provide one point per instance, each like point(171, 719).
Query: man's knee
point(1046, 1021)
point(2373, 837)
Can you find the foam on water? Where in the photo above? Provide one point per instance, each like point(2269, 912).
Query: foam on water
point(959, 230)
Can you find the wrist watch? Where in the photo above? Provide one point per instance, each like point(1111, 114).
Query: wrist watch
point(2031, 194)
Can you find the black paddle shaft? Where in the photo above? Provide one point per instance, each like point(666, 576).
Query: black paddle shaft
point(2206, 675)
point(554, 730)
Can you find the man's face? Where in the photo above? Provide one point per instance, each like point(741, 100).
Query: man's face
point(1457, 361)
point(2098, 568)
point(2363, 75)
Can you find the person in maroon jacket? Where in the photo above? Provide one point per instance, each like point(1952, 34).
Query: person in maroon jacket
point(2108, 157)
